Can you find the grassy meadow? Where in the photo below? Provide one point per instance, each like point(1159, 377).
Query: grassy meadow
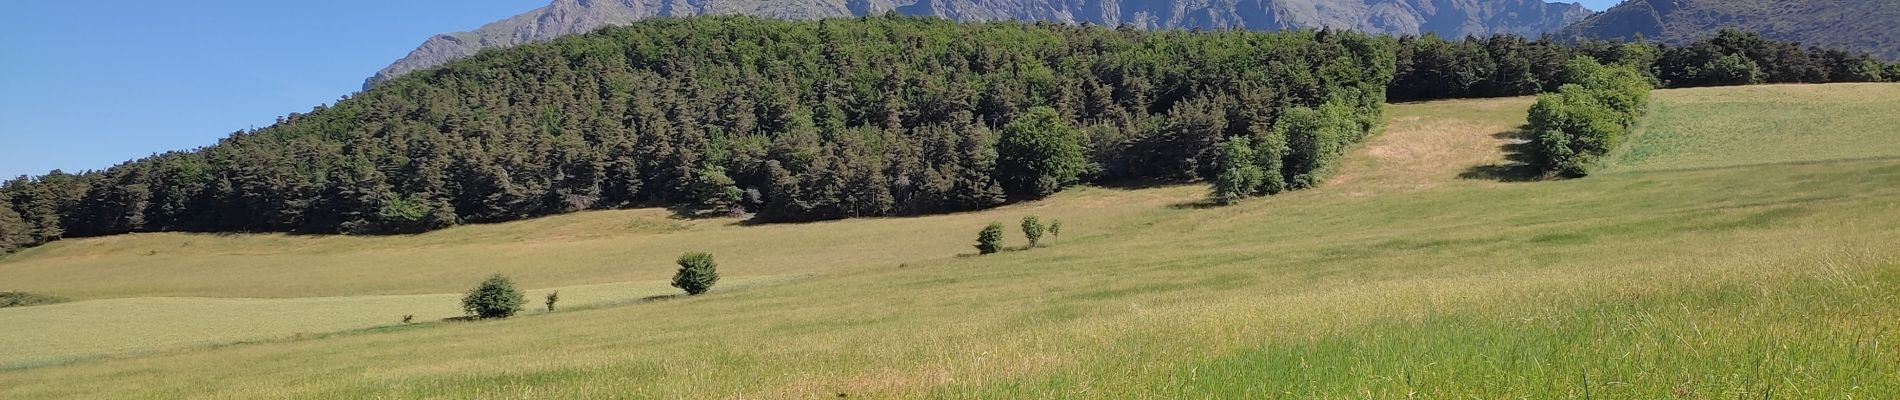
point(79, 331)
point(1745, 245)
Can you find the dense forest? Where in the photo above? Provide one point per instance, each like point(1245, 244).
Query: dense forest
point(814, 120)
point(1431, 67)
point(782, 120)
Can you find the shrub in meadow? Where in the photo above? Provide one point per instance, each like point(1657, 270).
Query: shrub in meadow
point(990, 240)
point(1032, 229)
point(697, 273)
point(494, 298)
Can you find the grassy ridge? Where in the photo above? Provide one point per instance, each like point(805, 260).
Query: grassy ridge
point(1400, 279)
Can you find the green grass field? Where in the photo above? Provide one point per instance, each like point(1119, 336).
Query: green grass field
point(1745, 245)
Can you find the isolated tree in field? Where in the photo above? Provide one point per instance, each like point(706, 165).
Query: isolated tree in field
point(553, 297)
point(990, 240)
point(1055, 229)
point(697, 273)
point(1038, 154)
point(1032, 229)
point(494, 298)
point(1240, 176)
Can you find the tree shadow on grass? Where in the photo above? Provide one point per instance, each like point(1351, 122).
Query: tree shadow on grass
point(1004, 249)
point(1138, 184)
point(583, 307)
point(662, 297)
point(1517, 160)
point(1201, 204)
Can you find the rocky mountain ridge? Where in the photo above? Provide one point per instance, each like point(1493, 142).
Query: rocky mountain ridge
point(1444, 17)
point(1871, 26)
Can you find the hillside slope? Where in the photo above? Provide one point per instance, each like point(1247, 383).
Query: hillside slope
point(1711, 260)
point(1862, 25)
point(1451, 18)
point(788, 121)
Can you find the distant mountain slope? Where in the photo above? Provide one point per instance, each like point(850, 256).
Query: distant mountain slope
point(1864, 25)
point(567, 17)
point(1445, 17)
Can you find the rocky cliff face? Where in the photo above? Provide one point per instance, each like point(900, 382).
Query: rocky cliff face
point(1445, 17)
point(1866, 25)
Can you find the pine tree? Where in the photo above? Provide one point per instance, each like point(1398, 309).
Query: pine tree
point(697, 273)
point(976, 186)
point(578, 171)
point(43, 202)
point(360, 195)
point(714, 192)
point(14, 232)
point(990, 240)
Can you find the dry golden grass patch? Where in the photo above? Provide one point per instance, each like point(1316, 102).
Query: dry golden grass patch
point(1426, 145)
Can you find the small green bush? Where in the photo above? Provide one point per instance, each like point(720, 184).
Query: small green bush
point(697, 273)
point(990, 240)
point(1032, 229)
point(1055, 229)
point(494, 298)
point(553, 297)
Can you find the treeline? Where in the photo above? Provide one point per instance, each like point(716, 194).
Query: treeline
point(816, 120)
point(1571, 128)
point(787, 121)
point(1430, 67)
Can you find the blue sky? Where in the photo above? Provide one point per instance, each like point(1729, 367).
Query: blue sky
point(1598, 5)
point(88, 84)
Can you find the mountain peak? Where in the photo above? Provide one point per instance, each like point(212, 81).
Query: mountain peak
point(1445, 17)
point(1863, 25)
